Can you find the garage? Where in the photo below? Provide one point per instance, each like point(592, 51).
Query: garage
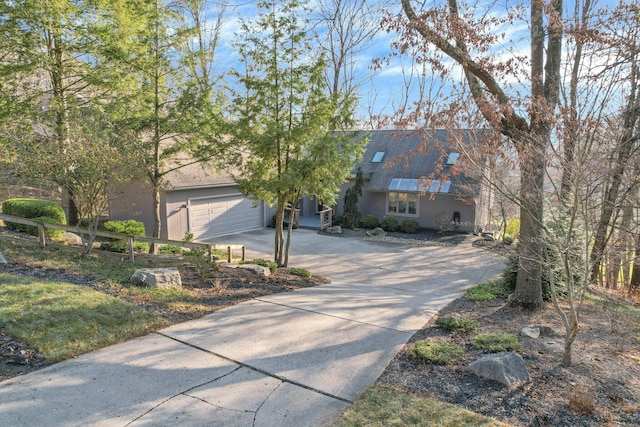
point(219, 216)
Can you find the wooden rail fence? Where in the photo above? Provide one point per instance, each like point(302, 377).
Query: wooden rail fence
point(42, 226)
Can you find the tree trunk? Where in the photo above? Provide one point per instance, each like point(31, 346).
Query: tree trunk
point(528, 292)
point(634, 285)
point(279, 233)
point(570, 338)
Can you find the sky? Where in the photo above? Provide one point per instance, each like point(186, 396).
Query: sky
point(383, 90)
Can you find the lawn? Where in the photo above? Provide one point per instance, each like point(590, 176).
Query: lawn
point(62, 320)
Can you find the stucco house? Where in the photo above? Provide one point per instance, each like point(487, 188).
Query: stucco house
point(428, 184)
point(423, 186)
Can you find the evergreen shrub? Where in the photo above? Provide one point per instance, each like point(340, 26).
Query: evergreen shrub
point(370, 221)
point(32, 209)
point(410, 225)
point(389, 223)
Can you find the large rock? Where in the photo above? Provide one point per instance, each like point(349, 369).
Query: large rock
point(71, 238)
point(538, 331)
point(530, 332)
point(258, 269)
point(162, 278)
point(336, 229)
point(507, 368)
point(376, 232)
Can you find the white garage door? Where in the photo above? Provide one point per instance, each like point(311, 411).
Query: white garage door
point(219, 216)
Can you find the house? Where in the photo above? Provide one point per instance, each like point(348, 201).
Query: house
point(195, 199)
point(399, 181)
point(429, 184)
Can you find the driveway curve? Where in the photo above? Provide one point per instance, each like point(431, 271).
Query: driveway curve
point(296, 359)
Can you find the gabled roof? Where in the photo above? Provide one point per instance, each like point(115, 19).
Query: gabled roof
point(405, 164)
point(196, 176)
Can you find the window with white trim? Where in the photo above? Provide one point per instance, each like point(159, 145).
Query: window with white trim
point(400, 203)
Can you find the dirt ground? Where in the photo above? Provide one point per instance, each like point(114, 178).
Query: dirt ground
point(601, 388)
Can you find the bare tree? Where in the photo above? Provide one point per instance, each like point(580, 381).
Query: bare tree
point(527, 120)
point(621, 41)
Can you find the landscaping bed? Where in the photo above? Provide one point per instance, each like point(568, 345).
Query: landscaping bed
point(601, 388)
point(199, 296)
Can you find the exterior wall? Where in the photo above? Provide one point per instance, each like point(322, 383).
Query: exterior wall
point(133, 201)
point(373, 203)
point(429, 210)
point(438, 212)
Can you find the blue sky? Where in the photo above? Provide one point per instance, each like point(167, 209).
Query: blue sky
point(384, 90)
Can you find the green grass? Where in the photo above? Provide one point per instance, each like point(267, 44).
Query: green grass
point(62, 320)
point(99, 268)
point(455, 324)
point(496, 343)
point(387, 407)
point(300, 272)
point(272, 266)
point(435, 351)
point(485, 291)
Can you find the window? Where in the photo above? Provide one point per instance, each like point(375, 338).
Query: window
point(402, 203)
point(377, 158)
point(452, 159)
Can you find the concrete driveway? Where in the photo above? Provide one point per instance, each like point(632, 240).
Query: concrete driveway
point(290, 359)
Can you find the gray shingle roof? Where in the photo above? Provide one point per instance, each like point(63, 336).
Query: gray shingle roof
point(414, 155)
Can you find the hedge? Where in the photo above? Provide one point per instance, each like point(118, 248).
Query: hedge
point(33, 209)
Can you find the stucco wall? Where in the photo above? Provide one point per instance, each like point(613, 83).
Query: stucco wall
point(133, 201)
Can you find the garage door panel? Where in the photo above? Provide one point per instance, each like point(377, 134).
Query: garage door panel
point(223, 215)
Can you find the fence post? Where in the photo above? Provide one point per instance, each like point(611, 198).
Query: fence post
point(131, 256)
point(41, 235)
point(244, 253)
point(228, 253)
point(210, 253)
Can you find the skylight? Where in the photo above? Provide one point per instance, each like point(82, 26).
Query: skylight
point(377, 158)
point(453, 158)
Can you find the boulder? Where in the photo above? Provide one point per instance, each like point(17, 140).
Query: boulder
point(546, 331)
point(376, 232)
point(71, 238)
point(258, 269)
point(507, 368)
point(336, 229)
point(530, 332)
point(538, 331)
point(162, 278)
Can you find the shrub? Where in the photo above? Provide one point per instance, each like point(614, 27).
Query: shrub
point(454, 324)
point(32, 209)
point(272, 266)
point(513, 228)
point(410, 225)
point(438, 352)
point(389, 223)
point(370, 221)
point(300, 272)
point(130, 227)
point(507, 239)
point(49, 232)
point(199, 258)
point(170, 249)
point(489, 290)
point(122, 246)
point(496, 343)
